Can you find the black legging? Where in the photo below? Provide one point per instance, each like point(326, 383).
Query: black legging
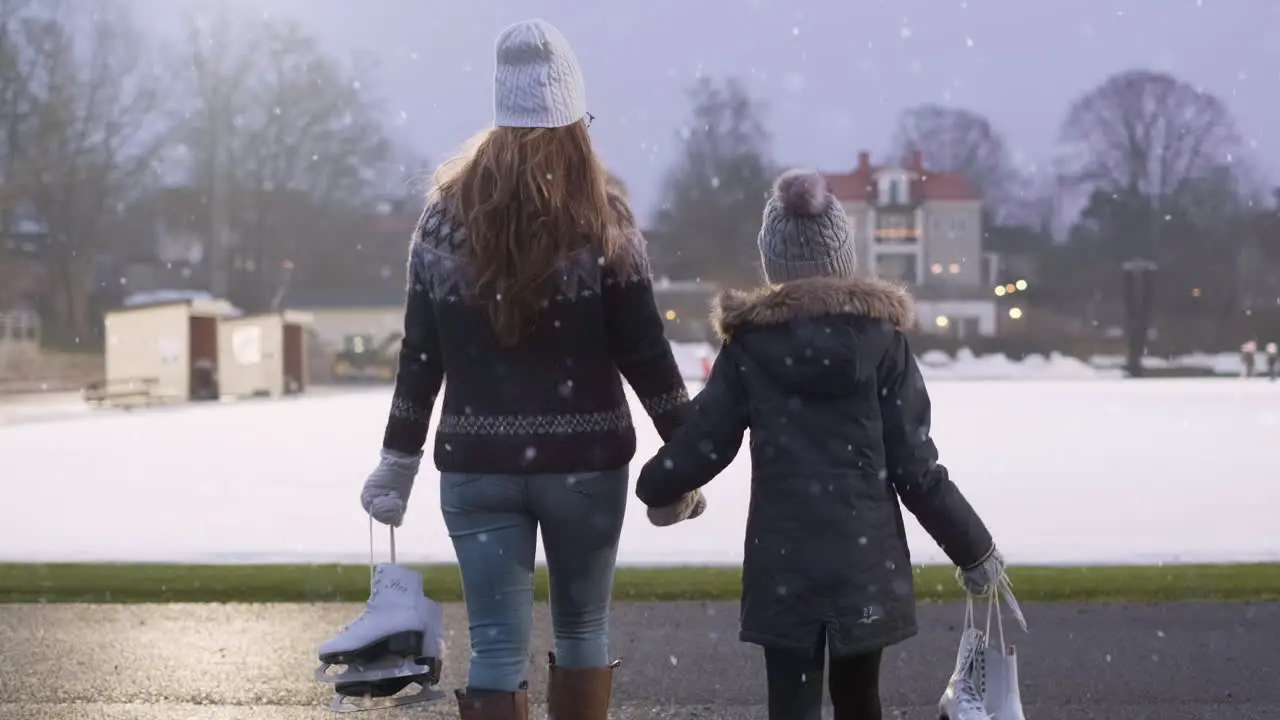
point(795, 684)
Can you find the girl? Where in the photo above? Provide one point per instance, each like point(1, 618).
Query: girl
point(817, 366)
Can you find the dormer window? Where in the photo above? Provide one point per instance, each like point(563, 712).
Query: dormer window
point(894, 189)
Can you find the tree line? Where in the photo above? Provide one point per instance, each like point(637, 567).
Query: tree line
point(247, 132)
point(1156, 164)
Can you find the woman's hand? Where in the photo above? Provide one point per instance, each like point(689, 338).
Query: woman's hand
point(385, 495)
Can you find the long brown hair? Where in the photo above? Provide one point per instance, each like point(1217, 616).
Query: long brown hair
point(529, 197)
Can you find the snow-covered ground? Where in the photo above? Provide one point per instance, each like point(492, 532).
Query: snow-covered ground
point(1063, 472)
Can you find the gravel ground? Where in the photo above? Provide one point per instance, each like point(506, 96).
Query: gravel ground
point(680, 660)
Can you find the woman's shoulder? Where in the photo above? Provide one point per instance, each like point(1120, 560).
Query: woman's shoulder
point(439, 228)
point(625, 248)
point(438, 249)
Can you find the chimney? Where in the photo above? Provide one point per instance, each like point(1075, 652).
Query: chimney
point(917, 161)
point(864, 160)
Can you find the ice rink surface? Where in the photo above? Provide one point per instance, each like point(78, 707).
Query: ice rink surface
point(1099, 471)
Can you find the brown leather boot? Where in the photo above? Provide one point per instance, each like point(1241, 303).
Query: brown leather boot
point(579, 693)
point(493, 704)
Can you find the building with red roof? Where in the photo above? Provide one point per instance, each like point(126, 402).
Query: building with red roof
point(923, 229)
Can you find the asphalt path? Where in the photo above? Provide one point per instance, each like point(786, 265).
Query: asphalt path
point(681, 660)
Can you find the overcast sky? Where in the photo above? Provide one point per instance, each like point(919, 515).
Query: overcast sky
point(834, 73)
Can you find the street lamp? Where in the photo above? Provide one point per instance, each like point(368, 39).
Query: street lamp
point(1138, 290)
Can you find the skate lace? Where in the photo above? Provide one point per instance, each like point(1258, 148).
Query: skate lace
point(969, 693)
point(374, 588)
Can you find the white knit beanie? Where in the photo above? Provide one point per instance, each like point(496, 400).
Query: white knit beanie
point(537, 82)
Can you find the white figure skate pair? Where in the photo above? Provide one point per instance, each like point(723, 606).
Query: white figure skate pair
point(984, 684)
point(398, 641)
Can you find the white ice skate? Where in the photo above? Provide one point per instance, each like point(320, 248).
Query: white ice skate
point(396, 642)
point(984, 685)
point(962, 699)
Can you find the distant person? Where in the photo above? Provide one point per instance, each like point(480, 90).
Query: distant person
point(1248, 358)
point(1272, 352)
point(816, 365)
point(530, 298)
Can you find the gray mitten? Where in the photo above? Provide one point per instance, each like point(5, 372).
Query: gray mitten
point(989, 579)
point(981, 579)
point(386, 492)
point(689, 506)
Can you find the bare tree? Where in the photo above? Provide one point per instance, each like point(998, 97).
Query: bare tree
point(1146, 133)
point(957, 140)
point(96, 125)
point(286, 135)
point(713, 196)
point(15, 99)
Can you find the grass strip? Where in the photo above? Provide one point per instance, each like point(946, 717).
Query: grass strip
point(153, 583)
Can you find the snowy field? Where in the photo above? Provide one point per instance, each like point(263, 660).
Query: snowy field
point(1063, 472)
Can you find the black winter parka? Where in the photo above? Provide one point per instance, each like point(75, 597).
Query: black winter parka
point(821, 373)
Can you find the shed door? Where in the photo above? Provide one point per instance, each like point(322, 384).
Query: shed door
point(249, 351)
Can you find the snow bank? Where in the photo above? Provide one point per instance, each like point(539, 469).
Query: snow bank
point(967, 366)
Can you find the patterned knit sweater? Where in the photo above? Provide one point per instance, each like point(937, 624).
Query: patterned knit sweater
point(554, 402)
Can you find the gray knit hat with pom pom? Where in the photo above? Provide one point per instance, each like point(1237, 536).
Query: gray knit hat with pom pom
point(806, 232)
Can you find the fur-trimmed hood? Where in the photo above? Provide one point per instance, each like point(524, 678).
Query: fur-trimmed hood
point(810, 298)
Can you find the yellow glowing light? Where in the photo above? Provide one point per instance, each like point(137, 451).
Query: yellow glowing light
point(1000, 291)
point(942, 321)
point(1021, 284)
point(1015, 313)
point(671, 314)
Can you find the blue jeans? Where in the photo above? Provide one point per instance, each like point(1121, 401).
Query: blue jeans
point(493, 521)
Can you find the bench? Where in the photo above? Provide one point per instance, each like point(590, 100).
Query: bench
point(123, 392)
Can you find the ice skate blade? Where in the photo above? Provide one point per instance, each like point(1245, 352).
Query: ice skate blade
point(398, 668)
point(348, 704)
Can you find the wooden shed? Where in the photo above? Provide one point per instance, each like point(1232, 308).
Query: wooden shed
point(263, 355)
point(19, 339)
point(162, 351)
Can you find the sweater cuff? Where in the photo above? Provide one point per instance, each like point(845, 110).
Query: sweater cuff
point(667, 410)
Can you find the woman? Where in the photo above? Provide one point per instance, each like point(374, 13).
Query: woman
point(529, 290)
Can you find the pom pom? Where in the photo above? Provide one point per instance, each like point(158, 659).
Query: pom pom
point(802, 192)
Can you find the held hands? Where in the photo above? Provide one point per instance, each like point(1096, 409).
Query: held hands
point(386, 493)
point(689, 506)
